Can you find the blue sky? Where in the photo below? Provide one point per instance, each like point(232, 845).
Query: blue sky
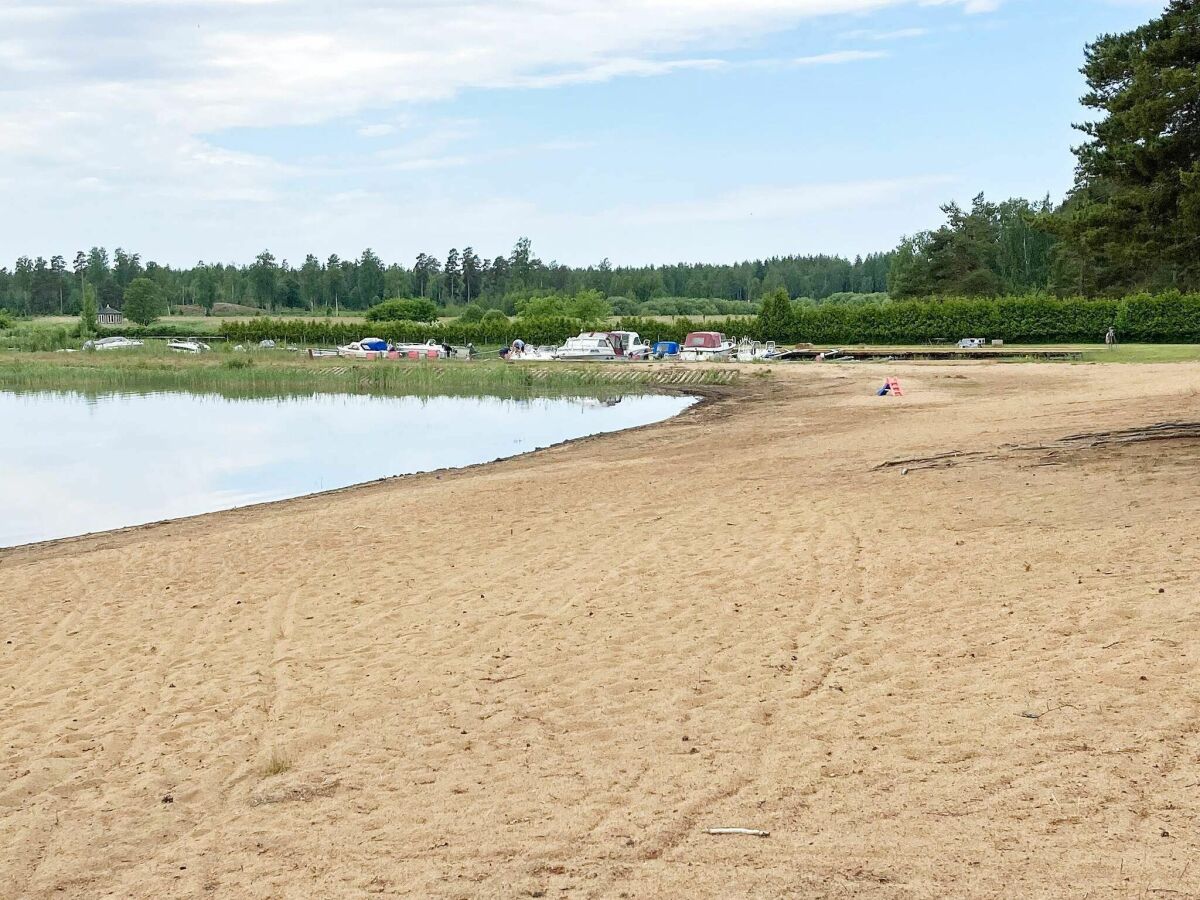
point(638, 130)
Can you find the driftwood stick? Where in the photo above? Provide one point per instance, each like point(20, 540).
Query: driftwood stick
point(1033, 715)
point(749, 832)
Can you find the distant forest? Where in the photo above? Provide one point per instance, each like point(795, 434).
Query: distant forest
point(1130, 223)
point(41, 287)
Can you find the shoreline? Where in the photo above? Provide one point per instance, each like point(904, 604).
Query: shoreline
point(706, 396)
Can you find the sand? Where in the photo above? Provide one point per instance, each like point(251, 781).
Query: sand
point(547, 676)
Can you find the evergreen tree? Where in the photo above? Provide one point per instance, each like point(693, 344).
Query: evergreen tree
point(369, 283)
point(1133, 218)
point(264, 276)
point(334, 288)
point(776, 317)
point(452, 277)
point(472, 275)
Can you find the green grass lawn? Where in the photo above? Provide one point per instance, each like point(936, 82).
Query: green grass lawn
point(1143, 353)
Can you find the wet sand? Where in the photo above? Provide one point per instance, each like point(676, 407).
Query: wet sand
point(547, 676)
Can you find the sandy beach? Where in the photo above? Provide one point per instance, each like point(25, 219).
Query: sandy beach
point(970, 676)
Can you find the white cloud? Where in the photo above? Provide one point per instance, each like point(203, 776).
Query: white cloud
point(868, 34)
point(837, 58)
point(379, 129)
point(121, 95)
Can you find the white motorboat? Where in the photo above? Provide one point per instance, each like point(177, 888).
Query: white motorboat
point(112, 343)
point(753, 351)
point(188, 346)
point(590, 346)
point(366, 348)
point(543, 353)
point(431, 349)
point(706, 346)
point(629, 345)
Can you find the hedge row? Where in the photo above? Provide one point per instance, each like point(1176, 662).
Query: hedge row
point(161, 328)
point(1163, 319)
point(1171, 318)
point(533, 331)
point(1166, 318)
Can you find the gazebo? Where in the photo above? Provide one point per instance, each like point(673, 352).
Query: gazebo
point(109, 316)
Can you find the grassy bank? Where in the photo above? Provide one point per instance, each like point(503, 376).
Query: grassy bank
point(276, 373)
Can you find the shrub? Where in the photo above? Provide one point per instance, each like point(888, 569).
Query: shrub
point(34, 337)
point(541, 307)
point(234, 309)
point(416, 310)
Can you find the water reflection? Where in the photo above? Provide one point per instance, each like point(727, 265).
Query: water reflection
point(72, 463)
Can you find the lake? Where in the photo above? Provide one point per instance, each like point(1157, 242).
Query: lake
point(72, 463)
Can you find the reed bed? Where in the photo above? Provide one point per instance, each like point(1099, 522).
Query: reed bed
point(273, 373)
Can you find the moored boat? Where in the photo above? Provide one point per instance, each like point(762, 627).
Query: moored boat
point(590, 346)
point(112, 343)
point(188, 346)
point(629, 344)
point(431, 349)
point(666, 350)
point(543, 353)
point(366, 348)
point(706, 346)
point(752, 351)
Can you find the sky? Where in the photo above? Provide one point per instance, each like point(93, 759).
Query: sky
point(642, 131)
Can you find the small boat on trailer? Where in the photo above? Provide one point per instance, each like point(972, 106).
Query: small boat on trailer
point(706, 346)
point(367, 348)
point(378, 348)
point(590, 346)
point(666, 350)
point(431, 349)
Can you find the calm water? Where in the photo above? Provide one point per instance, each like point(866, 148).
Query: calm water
point(72, 464)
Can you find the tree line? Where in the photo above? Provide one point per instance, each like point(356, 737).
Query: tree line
point(41, 287)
